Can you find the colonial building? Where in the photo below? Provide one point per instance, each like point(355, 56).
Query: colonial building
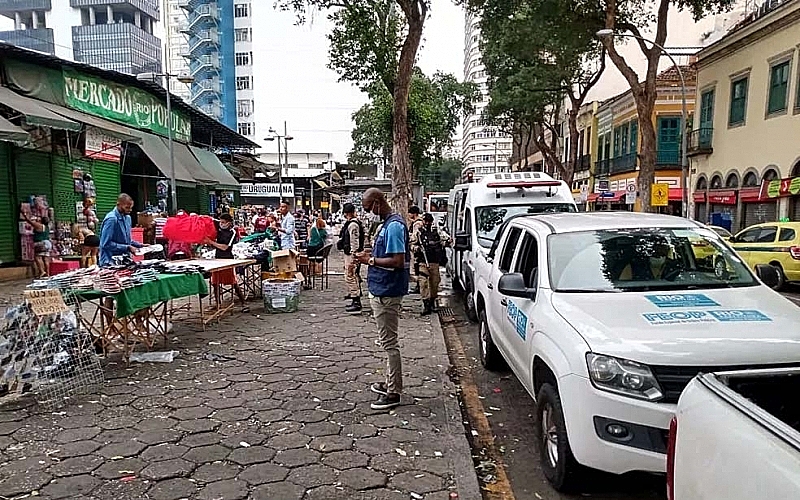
point(745, 148)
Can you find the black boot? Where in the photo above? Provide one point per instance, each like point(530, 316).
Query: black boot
point(434, 305)
point(354, 307)
point(426, 307)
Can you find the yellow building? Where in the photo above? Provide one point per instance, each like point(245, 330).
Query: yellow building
point(745, 147)
point(583, 178)
point(618, 143)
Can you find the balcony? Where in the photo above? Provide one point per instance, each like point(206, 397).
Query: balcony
point(40, 39)
point(149, 7)
point(203, 13)
point(201, 38)
point(670, 158)
point(623, 163)
point(584, 163)
point(602, 167)
point(700, 141)
point(205, 88)
point(11, 6)
point(204, 63)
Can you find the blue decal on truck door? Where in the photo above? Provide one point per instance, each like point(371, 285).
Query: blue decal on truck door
point(729, 316)
point(667, 300)
point(518, 319)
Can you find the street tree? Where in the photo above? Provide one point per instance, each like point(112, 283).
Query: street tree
point(376, 41)
point(441, 175)
point(634, 16)
point(436, 105)
point(538, 54)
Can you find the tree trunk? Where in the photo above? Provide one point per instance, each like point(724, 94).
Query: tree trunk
point(647, 155)
point(574, 154)
point(402, 168)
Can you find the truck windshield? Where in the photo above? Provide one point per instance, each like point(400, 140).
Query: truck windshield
point(642, 260)
point(489, 219)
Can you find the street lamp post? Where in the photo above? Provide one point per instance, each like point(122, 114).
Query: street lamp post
point(183, 78)
point(286, 137)
point(605, 33)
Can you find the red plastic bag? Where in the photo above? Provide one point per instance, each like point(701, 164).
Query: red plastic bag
point(192, 229)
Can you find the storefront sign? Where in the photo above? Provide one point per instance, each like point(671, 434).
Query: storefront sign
point(722, 197)
point(267, 190)
point(102, 146)
point(779, 188)
point(128, 105)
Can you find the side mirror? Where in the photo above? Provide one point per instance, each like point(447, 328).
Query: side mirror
point(731, 238)
point(769, 275)
point(462, 242)
point(513, 285)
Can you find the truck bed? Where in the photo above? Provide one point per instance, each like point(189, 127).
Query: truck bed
point(777, 394)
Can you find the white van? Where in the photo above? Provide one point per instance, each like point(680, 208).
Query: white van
point(477, 210)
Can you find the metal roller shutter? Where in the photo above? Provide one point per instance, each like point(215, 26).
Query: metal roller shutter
point(756, 213)
point(796, 208)
point(701, 212)
point(33, 174)
point(8, 209)
point(106, 177)
point(187, 199)
point(203, 201)
point(718, 208)
point(64, 195)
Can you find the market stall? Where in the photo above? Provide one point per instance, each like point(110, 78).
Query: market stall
point(249, 278)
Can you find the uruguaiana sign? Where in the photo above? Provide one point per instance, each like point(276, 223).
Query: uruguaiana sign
point(119, 103)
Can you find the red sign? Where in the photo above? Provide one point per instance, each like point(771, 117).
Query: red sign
point(781, 187)
point(722, 197)
point(700, 197)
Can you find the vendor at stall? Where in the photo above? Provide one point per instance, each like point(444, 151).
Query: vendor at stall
point(226, 238)
point(115, 233)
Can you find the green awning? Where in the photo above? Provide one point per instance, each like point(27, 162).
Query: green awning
point(113, 129)
point(34, 113)
point(158, 152)
point(188, 161)
point(11, 133)
point(223, 179)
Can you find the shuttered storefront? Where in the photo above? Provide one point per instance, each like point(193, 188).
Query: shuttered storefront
point(33, 175)
point(106, 177)
point(756, 213)
point(8, 209)
point(64, 196)
point(187, 199)
point(795, 206)
point(701, 212)
point(203, 201)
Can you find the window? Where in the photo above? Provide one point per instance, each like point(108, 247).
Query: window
point(707, 109)
point(758, 235)
point(247, 128)
point(617, 141)
point(510, 249)
point(625, 139)
point(242, 34)
point(243, 58)
point(241, 10)
point(738, 102)
point(244, 108)
point(528, 261)
point(243, 82)
point(634, 137)
point(787, 234)
point(778, 88)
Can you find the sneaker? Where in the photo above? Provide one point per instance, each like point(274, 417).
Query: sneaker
point(386, 402)
point(379, 388)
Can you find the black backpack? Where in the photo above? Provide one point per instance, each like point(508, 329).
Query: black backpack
point(431, 241)
point(344, 237)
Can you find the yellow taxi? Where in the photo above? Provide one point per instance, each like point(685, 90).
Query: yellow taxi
point(773, 243)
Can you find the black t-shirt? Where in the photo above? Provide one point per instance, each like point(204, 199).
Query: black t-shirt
point(226, 237)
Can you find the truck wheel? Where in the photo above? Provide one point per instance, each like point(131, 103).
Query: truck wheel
point(490, 356)
point(469, 305)
point(558, 464)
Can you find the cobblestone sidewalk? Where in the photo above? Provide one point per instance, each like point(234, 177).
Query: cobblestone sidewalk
point(263, 407)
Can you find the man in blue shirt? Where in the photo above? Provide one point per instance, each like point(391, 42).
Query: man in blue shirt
point(286, 229)
point(387, 279)
point(115, 233)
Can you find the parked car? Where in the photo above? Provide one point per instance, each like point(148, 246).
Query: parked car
point(774, 243)
point(721, 231)
point(735, 436)
point(605, 317)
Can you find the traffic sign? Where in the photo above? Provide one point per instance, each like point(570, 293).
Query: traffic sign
point(602, 185)
point(659, 195)
point(630, 194)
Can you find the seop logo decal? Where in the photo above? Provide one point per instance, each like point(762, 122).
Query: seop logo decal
point(518, 319)
point(713, 316)
point(666, 301)
point(744, 315)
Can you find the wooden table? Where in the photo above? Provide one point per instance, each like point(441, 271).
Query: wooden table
point(212, 266)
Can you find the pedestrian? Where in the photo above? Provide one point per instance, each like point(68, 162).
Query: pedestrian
point(42, 246)
point(351, 243)
point(90, 244)
point(301, 226)
point(317, 237)
point(115, 233)
point(226, 237)
point(427, 244)
point(387, 279)
point(286, 228)
point(414, 221)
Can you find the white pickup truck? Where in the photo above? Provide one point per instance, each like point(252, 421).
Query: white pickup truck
point(735, 437)
point(606, 317)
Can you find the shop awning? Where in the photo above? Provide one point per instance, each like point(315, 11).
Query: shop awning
point(186, 159)
point(158, 152)
point(675, 194)
point(11, 133)
point(321, 184)
point(119, 131)
point(223, 179)
point(34, 112)
point(607, 197)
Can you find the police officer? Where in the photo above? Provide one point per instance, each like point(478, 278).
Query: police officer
point(428, 244)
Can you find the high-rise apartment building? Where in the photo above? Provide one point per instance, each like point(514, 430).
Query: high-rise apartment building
point(176, 45)
point(212, 41)
point(485, 149)
point(111, 34)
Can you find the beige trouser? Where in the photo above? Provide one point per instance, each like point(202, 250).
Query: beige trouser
point(387, 316)
point(429, 279)
point(351, 276)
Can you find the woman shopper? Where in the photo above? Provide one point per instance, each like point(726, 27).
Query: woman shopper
point(90, 244)
point(42, 246)
point(317, 237)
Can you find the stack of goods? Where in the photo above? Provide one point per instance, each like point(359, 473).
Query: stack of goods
point(142, 276)
point(281, 295)
point(177, 268)
point(67, 280)
point(193, 229)
point(108, 282)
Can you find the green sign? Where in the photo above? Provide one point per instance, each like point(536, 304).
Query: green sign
point(130, 106)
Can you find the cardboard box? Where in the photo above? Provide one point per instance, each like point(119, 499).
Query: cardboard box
point(284, 261)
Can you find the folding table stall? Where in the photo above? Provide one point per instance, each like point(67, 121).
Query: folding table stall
point(225, 300)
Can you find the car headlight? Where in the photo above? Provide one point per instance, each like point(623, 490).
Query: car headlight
point(623, 376)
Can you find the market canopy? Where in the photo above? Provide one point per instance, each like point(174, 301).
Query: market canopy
point(223, 178)
point(11, 133)
point(35, 113)
point(158, 152)
point(187, 160)
point(120, 132)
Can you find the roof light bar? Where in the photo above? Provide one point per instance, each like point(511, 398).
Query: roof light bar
point(523, 184)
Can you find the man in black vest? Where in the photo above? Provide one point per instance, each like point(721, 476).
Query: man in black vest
point(352, 237)
point(427, 244)
point(387, 279)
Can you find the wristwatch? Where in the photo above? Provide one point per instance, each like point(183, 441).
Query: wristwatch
point(371, 261)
